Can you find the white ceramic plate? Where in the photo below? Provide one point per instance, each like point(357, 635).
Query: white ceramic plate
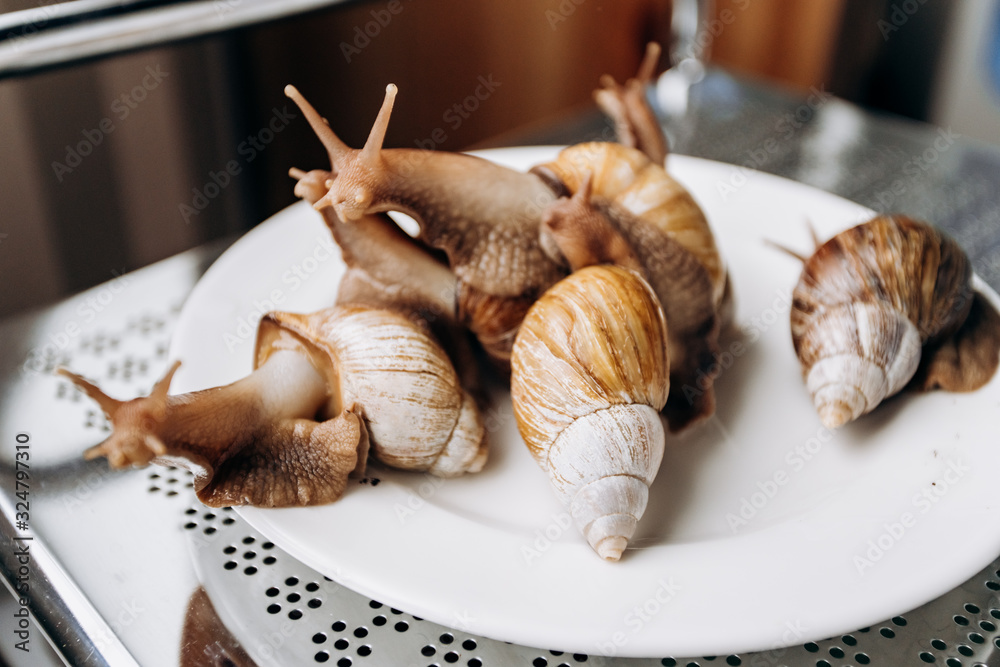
point(762, 530)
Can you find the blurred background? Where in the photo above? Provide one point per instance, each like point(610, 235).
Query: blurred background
point(124, 159)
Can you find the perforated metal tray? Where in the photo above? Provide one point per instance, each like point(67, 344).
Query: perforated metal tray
point(284, 613)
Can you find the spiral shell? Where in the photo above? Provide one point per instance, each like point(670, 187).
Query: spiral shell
point(590, 373)
point(400, 380)
point(627, 177)
point(868, 304)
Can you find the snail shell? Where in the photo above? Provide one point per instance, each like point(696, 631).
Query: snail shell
point(876, 301)
point(402, 382)
point(590, 373)
point(628, 178)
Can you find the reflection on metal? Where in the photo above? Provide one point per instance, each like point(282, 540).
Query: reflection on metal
point(72, 31)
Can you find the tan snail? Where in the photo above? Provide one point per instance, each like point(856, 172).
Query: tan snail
point(884, 304)
point(326, 386)
point(625, 209)
point(589, 375)
point(484, 217)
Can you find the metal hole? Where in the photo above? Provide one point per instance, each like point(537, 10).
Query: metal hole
point(971, 608)
point(987, 626)
point(960, 620)
point(927, 657)
point(295, 614)
point(899, 620)
point(228, 521)
point(190, 510)
point(250, 555)
point(190, 525)
point(965, 650)
point(539, 662)
point(395, 611)
point(822, 663)
point(734, 660)
point(274, 608)
point(447, 638)
point(374, 605)
point(993, 586)
point(887, 633)
point(365, 650)
point(319, 638)
point(250, 571)
point(344, 662)
point(470, 645)
point(322, 656)
point(475, 662)
point(293, 597)
point(862, 658)
point(582, 657)
point(315, 603)
point(270, 560)
point(208, 515)
point(837, 652)
point(379, 620)
point(361, 632)
point(267, 545)
point(451, 656)
point(210, 530)
point(248, 540)
point(291, 581)
point(976, 638)
point(312, 587)
point(229, 550)
point(849, 640)
point(938, 644)
point(402, 626)
point(811, 647)
point(271, 592)
point(428, 650)
point(339, 626)
point(231, 565)
point(953, 662)
point(341, 644)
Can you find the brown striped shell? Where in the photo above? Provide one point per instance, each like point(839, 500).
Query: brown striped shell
point(590, 373)
point(869, 305)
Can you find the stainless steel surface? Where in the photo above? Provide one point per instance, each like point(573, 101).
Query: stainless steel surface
point(30, 42)
point(285, 613)
point(120, 537)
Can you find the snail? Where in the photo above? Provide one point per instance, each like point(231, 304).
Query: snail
point(326, 387)
point(625, 209)
point(887, 303)
point(625, 104)
point(589, 375)
point(484, 217)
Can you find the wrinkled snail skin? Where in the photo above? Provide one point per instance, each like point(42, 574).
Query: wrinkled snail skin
point(484, 217)
point(257, 441)
point(877, 302)
point(326, 387)
point(636, 126)
point(590, 373)
point(638, 217)
point(400, 380)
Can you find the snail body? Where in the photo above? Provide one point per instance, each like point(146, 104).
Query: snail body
point(589, 374)
point(881, 303)
point(625, 209)
point(325, 388)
